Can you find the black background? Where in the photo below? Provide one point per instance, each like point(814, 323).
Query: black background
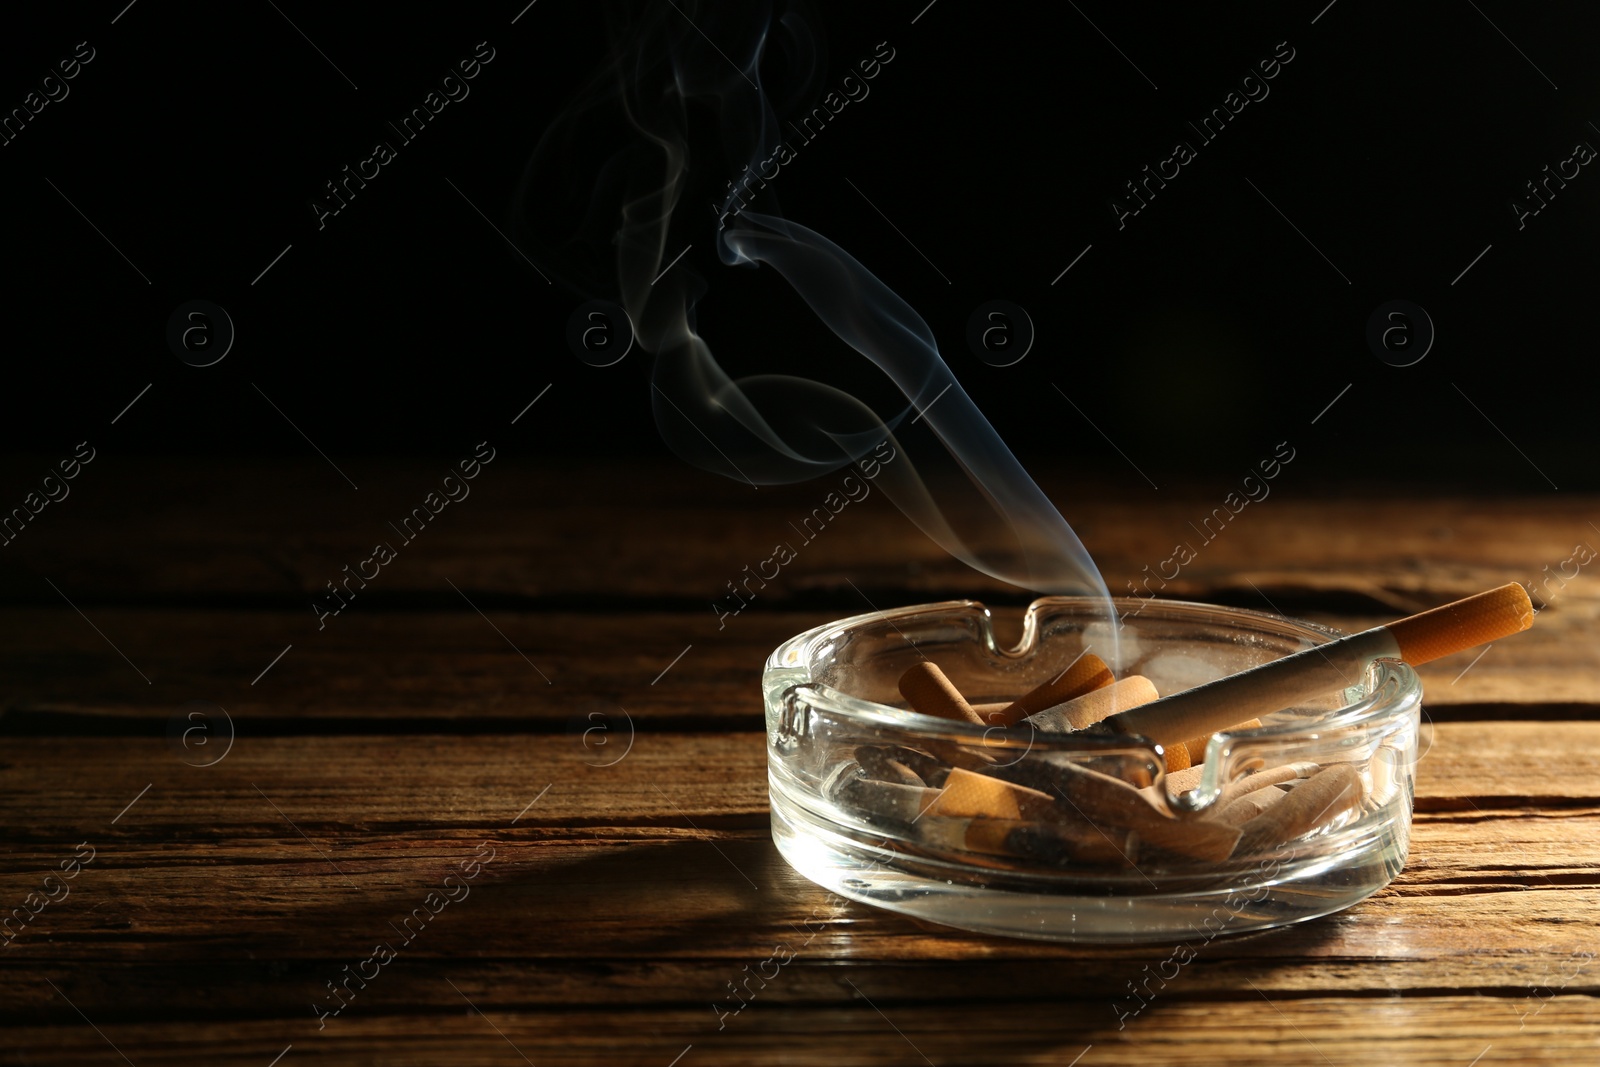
point(1197, 337)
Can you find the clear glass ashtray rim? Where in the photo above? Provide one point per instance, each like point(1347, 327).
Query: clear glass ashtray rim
point(1392, 687)
point(1323, 872)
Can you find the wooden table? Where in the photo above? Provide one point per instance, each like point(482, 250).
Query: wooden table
point(531, 733)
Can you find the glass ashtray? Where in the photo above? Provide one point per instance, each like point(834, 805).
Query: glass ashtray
point(856, 778)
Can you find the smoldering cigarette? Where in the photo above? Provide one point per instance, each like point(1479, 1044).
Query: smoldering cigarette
point(1314, 803)
point(1084, 675)
point(1326, 668)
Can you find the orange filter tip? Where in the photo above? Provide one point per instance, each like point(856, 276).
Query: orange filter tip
point(1464, 624)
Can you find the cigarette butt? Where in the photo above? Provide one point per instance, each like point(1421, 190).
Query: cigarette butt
point(1318, 672)
point(1179, 782)
point(1051, 775)
point(1334, 790)
point(1060, 846)
point(1197, 745)
point(966, 793)
point(954, 755)
point(901, 804)
point(1280, 775)
point(1084, 675)
point(987, 712)
point(1194, 838)
point(1018, 839)
point(928, 691)
point(1189, 778)
point(930, 768)
point(1092, 707)
point(1240, 811)
point(1111, 805)
point(1177, 757)
point(967, 834)
point(882, 765)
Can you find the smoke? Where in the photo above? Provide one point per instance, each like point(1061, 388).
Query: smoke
point(684, 105)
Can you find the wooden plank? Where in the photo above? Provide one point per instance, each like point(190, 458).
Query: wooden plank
point(1435, 1031)
point(655, 881)
point(511, 668)
point(1318, 960)
point(222, 898)
point(606, 911)
point(641, 894)
point(347, 784)
point(602, 668)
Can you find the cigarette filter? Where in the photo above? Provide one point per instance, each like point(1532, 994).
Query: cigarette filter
point(1240, 811)
point(1308, 806)
point(1085, 674)
point(1280, 775)
point(1022, 839)
point(927, 689)
point(1095, 706)
point(1111, 805)
point(968, 794)
point(1326, 668)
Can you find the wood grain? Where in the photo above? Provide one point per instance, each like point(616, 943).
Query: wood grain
point(533, 669)
point(481, 691)
point(484, 782)
point(876, 1030)
point(211, 532)
point(654, 882)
